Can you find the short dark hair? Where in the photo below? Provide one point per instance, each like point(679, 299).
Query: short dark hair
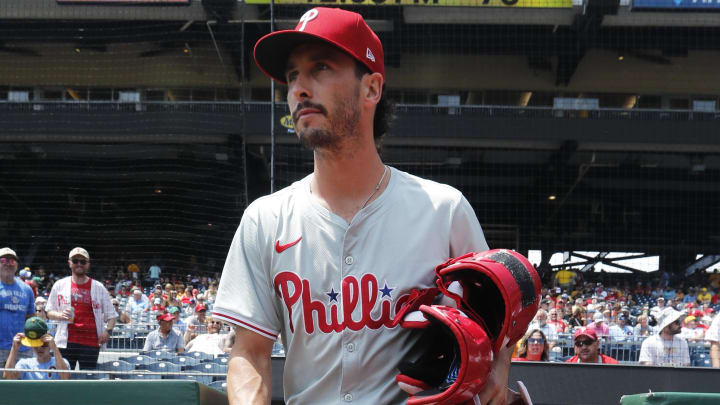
point(383, 111)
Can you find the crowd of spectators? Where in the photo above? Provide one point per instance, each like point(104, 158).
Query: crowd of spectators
point(666, 323)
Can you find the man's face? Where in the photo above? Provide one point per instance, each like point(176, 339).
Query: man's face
point(79, 265)
point(165, 326)
point(8, 264)
point(674, 328)
point(541, 318)
point(323, 95)
point(586, 349)
point(201, 316)
point(42, 352)
point(137, 295)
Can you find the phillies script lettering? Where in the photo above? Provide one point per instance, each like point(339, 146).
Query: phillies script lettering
point(353, 292)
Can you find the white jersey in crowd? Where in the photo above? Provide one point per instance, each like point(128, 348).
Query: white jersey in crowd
point(661, 352)
point(713, 332)
point(332, 288)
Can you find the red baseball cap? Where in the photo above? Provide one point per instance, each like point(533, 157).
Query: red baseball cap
point(165, 317)
point(200, 307)
point(583, 331)
point(344, 29)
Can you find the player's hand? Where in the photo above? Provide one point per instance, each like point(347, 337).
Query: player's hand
point(495, 391)
point(16, 340)
point(65, 315)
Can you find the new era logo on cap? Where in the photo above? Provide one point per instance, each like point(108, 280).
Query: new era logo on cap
point(369, 55)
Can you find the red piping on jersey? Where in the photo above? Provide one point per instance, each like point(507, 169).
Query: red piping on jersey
point(281, 248)
point(246, 324)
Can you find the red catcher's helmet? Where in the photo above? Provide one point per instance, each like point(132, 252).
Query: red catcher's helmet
point(500, 289)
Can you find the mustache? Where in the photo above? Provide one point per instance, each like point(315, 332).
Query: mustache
point(308, 104)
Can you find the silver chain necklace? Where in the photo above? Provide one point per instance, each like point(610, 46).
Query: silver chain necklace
point(376, 187)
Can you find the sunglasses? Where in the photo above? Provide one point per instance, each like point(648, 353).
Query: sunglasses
point(581, 343)
point(80, 261)
point(8, 260)
point(536, 341)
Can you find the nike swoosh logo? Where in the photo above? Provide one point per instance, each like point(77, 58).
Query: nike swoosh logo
point(281, 248)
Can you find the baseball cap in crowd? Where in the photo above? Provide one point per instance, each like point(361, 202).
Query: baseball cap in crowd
point(136, 291)
point(200, 308)
point(668, 316)
point(35, 329)
point(6, 251)
point(584, 331)
point(598, 317)
point(165, 317)
point(173, 309)
point(25, 273)
point(622, 318)
point(689, 318)
point(79, 251)
point(157, 301)
point(343, 29)
point(39, 300)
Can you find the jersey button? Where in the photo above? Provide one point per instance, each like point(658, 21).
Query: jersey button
point(349, 260)
point(351, 347)
point(348, 397)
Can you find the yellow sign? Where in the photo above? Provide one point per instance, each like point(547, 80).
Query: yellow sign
point(441, 3)
point(287, 122)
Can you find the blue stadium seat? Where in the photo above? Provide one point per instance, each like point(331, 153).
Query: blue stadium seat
point(164, 367)
point(185, 361)
point(89, 376)
point(140, 360)
point(116, 366)
point(201, 356)
point(221, 360)
point(210, 368)
point(160, 354)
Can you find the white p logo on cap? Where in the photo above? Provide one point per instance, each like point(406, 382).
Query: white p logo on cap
point(307, 17)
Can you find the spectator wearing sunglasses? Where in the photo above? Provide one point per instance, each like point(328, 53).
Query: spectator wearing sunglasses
point(47, 355)
point(587, 348)
point(17, 303)
point(123, 316)
point(666, 348)
point(211, 342)
point(533, 347)
point(82, 305)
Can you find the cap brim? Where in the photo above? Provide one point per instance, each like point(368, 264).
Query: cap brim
point(31, 342)
point(273, 50)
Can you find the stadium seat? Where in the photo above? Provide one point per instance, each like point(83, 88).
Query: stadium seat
point(210, 368)
point(219, 385)
point(201, 356)
point(196, 376)
point(164, 367)
point(185, 361)
point(160, 354)
point(221, 360)
point(140, 360)
point(116, 366)
point(89, 376)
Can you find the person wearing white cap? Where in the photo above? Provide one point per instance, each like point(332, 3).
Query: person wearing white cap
point(599, 325)
point(82, 305)
point(666, 348)
point(17, 303)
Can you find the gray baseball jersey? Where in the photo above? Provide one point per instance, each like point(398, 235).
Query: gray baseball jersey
point(332, 288)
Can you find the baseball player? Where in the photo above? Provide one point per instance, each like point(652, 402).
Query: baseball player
point(327, 262)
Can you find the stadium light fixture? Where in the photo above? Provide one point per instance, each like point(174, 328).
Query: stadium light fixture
point(552, 197)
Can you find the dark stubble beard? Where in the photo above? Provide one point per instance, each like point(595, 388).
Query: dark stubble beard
point(343, 119)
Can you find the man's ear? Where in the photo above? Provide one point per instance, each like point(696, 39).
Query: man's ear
point(372, 85)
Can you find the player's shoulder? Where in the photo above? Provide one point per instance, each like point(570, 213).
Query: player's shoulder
point(436, 191)
point(273, 204)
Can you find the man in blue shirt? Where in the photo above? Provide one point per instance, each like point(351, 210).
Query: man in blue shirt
point(42, 344)
point(17, 303)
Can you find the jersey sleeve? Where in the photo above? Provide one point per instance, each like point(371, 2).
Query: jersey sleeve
point(645, 352)
point(466, 234)
point(245, 293)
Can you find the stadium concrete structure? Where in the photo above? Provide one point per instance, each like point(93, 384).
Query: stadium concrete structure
point(141, 129)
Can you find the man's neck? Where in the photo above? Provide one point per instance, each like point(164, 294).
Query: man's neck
point(6, 277)
point(343, 183)
point(666, 336)
point(80, 279)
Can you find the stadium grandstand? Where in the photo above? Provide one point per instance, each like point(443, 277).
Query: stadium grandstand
point(582, 132)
